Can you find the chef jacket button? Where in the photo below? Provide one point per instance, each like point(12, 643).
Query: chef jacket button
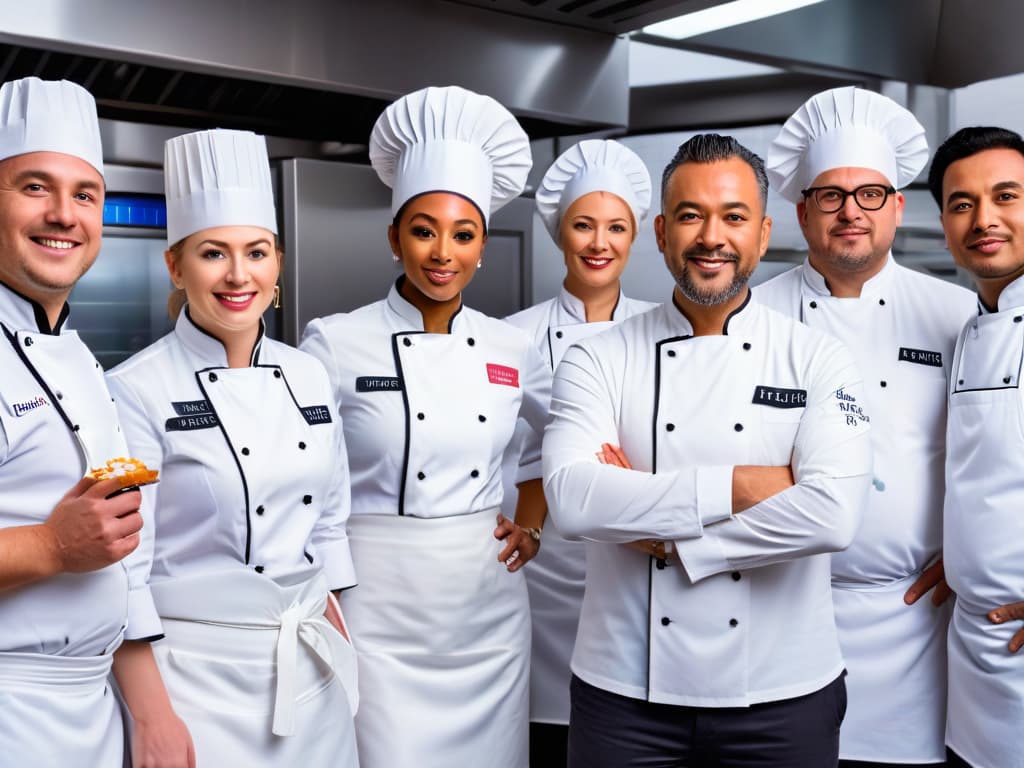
point(67, 640)
point(882, 383)
point(245, 451)
point(307, 499)
point(471, 341)
point(659, 564)
point(28, 341)
point(407, 341)
point(881, 302)
point(482, 418)
point(1006, 379)
point(302, 445)
point(421, 476)
point(259, 569)
point(736, 576)
point(733, 623)
point(277, 374)
point(97, 365)
point(420, 416)
point(738, 427)
point(665, 621)
point(670, 427)
point(475, 473)
point(671, 353)
point(1018, 318)
point(558, 334)
point(74, 428)
point(746, 345)
point(960, 381)
point(212, 377)
point(259, 510)
point(814, 305)
point(60, 396)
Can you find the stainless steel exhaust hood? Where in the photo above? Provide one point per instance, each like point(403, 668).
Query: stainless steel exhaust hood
point(314, 69)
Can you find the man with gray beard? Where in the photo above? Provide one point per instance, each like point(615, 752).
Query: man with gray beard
point(733, 456)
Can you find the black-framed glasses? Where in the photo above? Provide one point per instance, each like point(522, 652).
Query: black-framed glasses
point(870, 197)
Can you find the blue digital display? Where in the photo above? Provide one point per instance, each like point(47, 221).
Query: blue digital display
point(135, 211)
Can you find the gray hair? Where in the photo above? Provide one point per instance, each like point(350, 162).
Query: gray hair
point(712, 148)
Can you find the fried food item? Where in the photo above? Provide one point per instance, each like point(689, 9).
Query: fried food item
point(128, 472)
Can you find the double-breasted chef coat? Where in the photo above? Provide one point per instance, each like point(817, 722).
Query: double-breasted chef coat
point(442, 627)
point(248, 536)
point(56, 422)
point(555, 577)
point(901, 332)
point(984, 534)
point(747, 616)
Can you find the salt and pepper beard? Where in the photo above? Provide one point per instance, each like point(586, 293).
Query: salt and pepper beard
point(706, 298)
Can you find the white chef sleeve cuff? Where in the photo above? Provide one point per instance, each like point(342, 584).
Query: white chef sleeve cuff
point(143, 620)
point(714, 494)
point(532, 470)
point(336, 560)
point(702, 557)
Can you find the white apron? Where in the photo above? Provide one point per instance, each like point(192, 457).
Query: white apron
point(257, 673)
point(449, 663)
point(984, 540)
point(67, 706)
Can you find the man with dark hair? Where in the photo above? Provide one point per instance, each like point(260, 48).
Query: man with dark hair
point(977, 178)
point(707, 636)
point(841, 159)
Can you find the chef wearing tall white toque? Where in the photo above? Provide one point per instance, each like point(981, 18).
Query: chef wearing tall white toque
point(256, 667)
point(841, 159)
point(429, 392)
point(592, 201)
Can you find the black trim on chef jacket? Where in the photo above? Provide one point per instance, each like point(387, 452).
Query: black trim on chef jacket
point(54, 400)
point(551, 350)
point(42, 321)
point(955, 370)
point(408, 415)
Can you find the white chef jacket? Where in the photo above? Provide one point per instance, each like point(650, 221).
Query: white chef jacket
point(418, 444)
point(57, 422)
point(984, 534)
point(748, 616)
point(901, 331)
point(555, 576)
point(250, 474)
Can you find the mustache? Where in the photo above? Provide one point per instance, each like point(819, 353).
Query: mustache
point(710, 253)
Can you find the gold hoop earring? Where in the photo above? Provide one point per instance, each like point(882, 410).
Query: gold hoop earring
point(277, 297)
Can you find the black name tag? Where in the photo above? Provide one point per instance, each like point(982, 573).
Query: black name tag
point(192, 407)
point(199, 421)
point(316, 414)
point(921, 357)
point(378, 384)
point(776, 397)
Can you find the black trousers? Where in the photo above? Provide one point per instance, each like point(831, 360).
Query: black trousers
point(607, 730)
point(548, 745)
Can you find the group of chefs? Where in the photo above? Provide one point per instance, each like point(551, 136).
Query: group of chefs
point(762, 501)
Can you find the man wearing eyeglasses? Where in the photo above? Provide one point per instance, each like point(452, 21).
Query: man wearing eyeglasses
point(841, 158)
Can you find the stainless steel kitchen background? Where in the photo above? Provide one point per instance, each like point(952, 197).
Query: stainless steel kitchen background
point(313, 75)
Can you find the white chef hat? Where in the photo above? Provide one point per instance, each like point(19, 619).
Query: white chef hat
point(217, 178)
point(49, 116)
point(846, 127)
point(593, 166)
point(450, 140)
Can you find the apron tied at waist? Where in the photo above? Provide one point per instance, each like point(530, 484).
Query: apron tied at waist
point(242, 600)
point(67, 675)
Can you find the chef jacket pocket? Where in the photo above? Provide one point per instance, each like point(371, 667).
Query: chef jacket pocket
point(198, 681)
point(779, 427)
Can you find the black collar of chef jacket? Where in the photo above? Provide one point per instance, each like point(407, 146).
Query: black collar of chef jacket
point(451, 320)
point(731, 315)
point(254, 357)
point(42, 321)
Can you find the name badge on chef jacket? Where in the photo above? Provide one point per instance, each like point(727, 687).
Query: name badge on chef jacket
point(24, 407)
point(192, 414)
point(778, 397)
point(920, 357)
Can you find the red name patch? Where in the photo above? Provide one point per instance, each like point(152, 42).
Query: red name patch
point(502, 374)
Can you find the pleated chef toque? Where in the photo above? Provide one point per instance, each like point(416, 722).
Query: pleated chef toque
point(593, 166)
point(49, 116)
point(841, 128)
point(217, 178)
point(450, 140)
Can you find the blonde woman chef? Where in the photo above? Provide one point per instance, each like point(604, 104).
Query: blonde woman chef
point(429, 393)
point(253, 496)
point(592, 200)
